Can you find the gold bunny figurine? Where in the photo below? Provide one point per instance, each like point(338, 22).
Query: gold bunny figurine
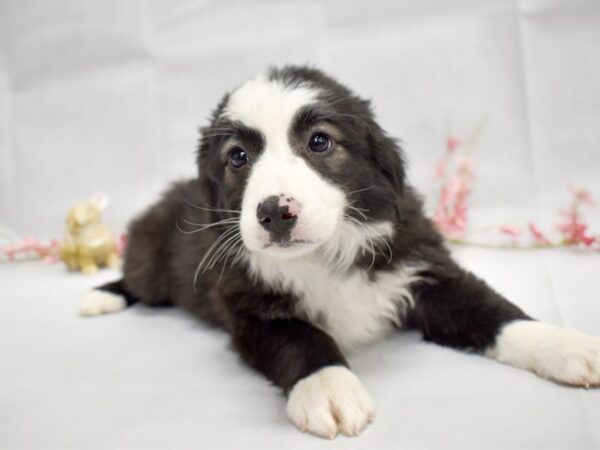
point(88, 243)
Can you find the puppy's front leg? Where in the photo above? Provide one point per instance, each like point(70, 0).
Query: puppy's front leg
point(459, 310)
point(324, 396)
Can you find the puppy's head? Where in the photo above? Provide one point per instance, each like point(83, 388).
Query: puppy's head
point(305, 162)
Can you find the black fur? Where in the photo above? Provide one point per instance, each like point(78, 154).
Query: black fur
point(452, 306)
point(118, 288)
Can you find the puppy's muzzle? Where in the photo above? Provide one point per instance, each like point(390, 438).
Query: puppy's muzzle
point(278, 215)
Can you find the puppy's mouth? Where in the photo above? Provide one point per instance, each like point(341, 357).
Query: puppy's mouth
point(286, 249)
point(288, 244)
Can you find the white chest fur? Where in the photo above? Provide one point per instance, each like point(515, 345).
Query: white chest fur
point(351, 307)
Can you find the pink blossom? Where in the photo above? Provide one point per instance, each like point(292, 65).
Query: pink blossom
point(439, 170)
point(452, 143)
point(31, 244)
point(121, 244)
point(574, 229)
point(451, 226)
point(32, 247)
point(49, 259)
point(459, 218)
point(453, 189)
point(451, 213)
point(445, 196)
point(539, 237)
point(52, 252)
point(513, 232)
point(581, 195)
point(10, 251)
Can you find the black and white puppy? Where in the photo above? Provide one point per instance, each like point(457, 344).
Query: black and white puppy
point(302, 239)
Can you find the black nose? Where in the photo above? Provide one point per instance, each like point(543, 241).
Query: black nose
point(275, 216)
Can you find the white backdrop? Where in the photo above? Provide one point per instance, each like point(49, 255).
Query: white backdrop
point(107, 96)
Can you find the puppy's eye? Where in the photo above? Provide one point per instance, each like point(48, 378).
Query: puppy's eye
point(238, 157)
point(319, 143)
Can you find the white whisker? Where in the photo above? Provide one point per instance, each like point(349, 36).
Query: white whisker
point(236, 211)
point(232, 247)
point(238, 255)
point(222, 250)
point(359, 211)
point(225, 223)
point(360, 190)
point(208, 253)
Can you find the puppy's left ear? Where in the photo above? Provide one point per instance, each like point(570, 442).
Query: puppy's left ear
point(387, 156)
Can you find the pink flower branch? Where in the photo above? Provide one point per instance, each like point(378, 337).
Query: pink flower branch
point(30, 248)
point(454, 171)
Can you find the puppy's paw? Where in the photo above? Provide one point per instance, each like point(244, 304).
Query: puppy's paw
point(98, 302)
point(329, 401)
point(559, 354)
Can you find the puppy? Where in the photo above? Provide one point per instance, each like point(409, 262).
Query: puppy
point(302, 239)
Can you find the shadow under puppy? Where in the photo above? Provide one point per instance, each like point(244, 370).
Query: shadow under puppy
point(302, 239)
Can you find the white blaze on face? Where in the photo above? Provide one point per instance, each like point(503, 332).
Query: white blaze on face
point(270, 107)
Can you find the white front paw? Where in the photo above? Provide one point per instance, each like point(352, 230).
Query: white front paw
point(98, 302)
point(575, 359)
point(559, 354)
point(329, 401)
